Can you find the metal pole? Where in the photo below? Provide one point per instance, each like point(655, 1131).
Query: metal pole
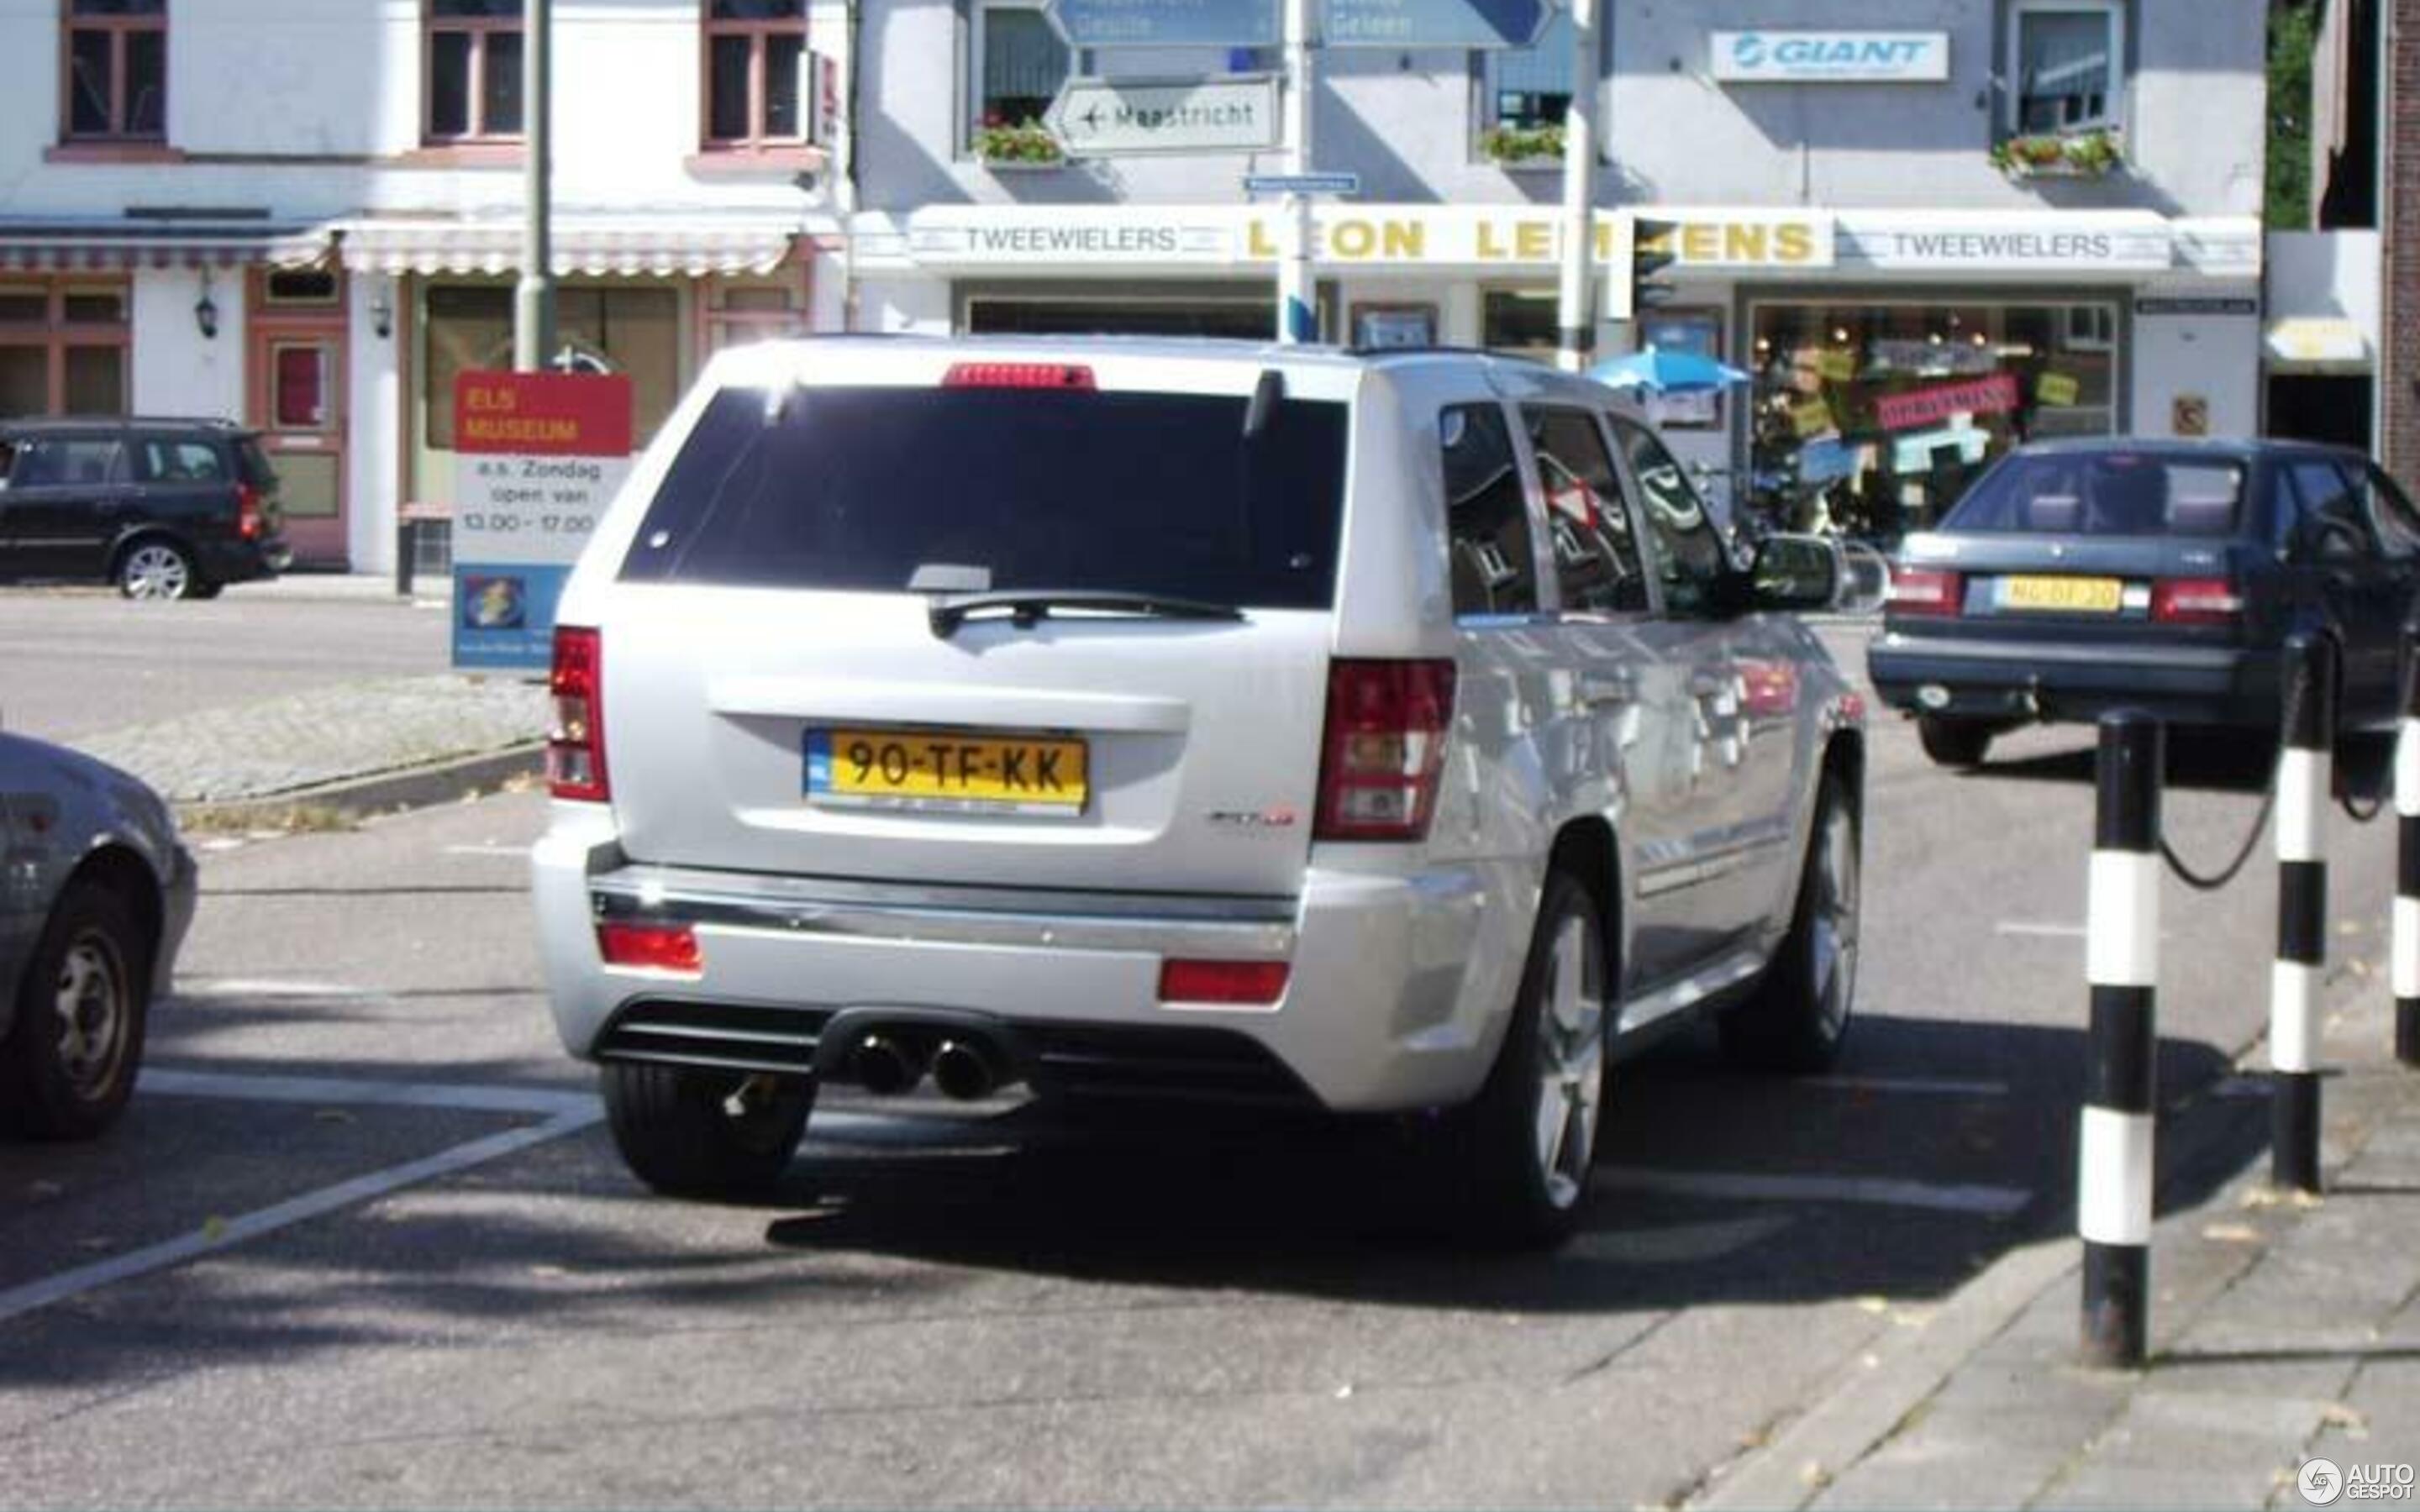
point(1576, 317)
point(2406, 956)
point(534, 298)
point(1297, 310)
point(2303, 781)
point(2116, 1166)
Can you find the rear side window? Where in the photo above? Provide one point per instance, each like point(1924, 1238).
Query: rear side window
point(254, 463)
point(45, 463)
point(1596, 562)
point(1486, 513)
point(159, 461)
point(2104, 493)
point(858, 488)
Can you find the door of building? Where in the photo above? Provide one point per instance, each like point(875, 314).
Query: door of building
point(298, 406)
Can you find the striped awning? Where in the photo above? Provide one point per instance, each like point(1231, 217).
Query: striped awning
point(665, 248)
point(119, 245)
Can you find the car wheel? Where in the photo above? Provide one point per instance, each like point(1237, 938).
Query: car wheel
point(204, 588)
point(1524, 1146)
point(157, 569)
point(706, 1134)
point(68, 1063)
point(1954, 742)
point(1799, 1017)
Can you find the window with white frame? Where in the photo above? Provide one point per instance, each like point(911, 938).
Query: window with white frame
point(1018, 64)
point(2067, 65)
point(1531, 87)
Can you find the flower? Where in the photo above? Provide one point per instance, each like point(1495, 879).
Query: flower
point(1028, 142)
point(2084, 155)
point(1522, 144)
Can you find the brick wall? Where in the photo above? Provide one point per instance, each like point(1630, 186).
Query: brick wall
point(2399, 363)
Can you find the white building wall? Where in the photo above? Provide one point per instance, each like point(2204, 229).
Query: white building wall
point(2213, 358)
point(177, 371)
point(374, 427)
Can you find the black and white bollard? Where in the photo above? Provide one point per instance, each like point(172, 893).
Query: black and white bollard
point(2302, 778)
point(2113, 1186)
point(2406, 962)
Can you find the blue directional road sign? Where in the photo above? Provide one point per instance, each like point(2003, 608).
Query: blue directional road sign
point(1166, 22)
point(1302, 183)
point(1471, 24)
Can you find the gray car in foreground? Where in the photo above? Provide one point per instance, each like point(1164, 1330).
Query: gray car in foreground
point(96, 892)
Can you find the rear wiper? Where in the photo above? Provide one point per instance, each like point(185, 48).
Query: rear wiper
point(1027, 607)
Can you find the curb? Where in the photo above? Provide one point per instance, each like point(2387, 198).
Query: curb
point(410, 787)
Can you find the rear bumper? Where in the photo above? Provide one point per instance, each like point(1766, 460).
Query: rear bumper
point(1368, 1021)
point(2003, 681)
point(236, 561)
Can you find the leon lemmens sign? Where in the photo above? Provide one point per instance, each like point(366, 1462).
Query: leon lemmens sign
point(1831, 58)
point(1100, 117)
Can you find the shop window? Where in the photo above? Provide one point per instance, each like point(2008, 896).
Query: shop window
point(754, 48)
point(631, 331)
point(1687, 555)
point(1698, 333)
point(1019, 63)
point(474, 70)
point(116, 71)
point(738, 314)
point(1596, 562)
point(1528, 88)
point(2067, 65)
point(1519, 322)
point(63, 348)
point(1487, 514)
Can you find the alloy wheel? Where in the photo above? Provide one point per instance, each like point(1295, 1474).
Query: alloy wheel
point(156, 572)
point(1833, 922)
point(1571, 1060)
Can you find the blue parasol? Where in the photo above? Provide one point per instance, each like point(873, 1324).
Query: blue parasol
point(1663, 372)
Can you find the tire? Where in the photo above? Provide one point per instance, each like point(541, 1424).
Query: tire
point(1954, 742)
point(70, 1058)
point(204, 588)
point(157, 568)
point(1524, 1182)
point(676, 1131)
point(1798, 1018)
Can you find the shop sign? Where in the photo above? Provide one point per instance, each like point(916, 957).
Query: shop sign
point(1836, 367)
point(1457, 24)
point(1996, 395)
point(1831, 58)
point(2058, 390)
point(1102, 117)
point(1813, 418)
point(1166, 23)
point(1068, 236)
point(2038, 246)
point(539, 455)
point(1829, 462)
point(2230, 306)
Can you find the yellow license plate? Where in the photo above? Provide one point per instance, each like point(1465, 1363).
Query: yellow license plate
point(940, 771)
point(2075, 596)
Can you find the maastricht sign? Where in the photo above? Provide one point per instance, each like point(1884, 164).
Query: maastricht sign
point(1831, 58)
point(1107, 118)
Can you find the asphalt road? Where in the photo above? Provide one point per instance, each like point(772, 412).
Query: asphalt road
point(76, 662)
point(429, 1282)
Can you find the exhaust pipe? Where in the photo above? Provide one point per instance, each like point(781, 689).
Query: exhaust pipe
point(965, 1071)
point(885, 1067)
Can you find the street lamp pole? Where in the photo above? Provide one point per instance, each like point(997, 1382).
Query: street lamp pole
point(1298, 309)
point(1575, 317)
point(534, 298)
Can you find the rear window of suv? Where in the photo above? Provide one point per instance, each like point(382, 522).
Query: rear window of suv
point(2104, 493)
point(857, 489)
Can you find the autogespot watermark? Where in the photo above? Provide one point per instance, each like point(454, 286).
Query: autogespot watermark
point(2323, 1483)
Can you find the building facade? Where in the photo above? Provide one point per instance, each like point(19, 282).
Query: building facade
point(304, 215)
point(2399, 360)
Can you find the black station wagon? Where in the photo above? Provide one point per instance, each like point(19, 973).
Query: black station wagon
point(163, 508)
point(2078, 576)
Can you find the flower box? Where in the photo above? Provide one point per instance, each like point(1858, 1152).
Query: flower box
point(1030, 146)
point(1522, 147)
point(2090, 155)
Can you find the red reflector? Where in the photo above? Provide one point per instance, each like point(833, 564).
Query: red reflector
point(2195, 601)
point(1924, 591)
point(575, 747)
point(655, 947)
point(1017, 376)
point(1222, 981)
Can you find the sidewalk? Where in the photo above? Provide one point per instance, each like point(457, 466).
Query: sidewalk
point(2281, 1330)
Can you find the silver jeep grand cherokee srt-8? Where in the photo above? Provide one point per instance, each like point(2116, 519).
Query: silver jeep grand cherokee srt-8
point(1183, 720)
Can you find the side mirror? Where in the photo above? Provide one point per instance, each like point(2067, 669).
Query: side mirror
point(1796, 573)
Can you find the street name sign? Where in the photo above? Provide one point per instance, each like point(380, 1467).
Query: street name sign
point(1108, 117)
point(1166, 22)
point(1302, 183)
point(1460, 23)
point(538, 457)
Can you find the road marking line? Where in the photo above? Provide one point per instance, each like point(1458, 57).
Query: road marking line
point(265, 987)
point(2039, 932)
point(518, 853)
point(244, 1227)
point(1865, 1191)
point(251, 1088)
point(1925, 1086)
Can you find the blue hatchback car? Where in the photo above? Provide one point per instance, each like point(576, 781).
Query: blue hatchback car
point(2078, 576)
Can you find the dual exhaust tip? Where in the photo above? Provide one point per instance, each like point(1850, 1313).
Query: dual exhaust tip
point(888, 1065)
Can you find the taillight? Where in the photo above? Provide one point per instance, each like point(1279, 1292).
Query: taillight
point(1017, 376)
point(651, 947)
point(2196, 601)
point(1924, 591)
point(247, 511)
point(575, 747)
point(1384, 748)
point(1221, 981)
